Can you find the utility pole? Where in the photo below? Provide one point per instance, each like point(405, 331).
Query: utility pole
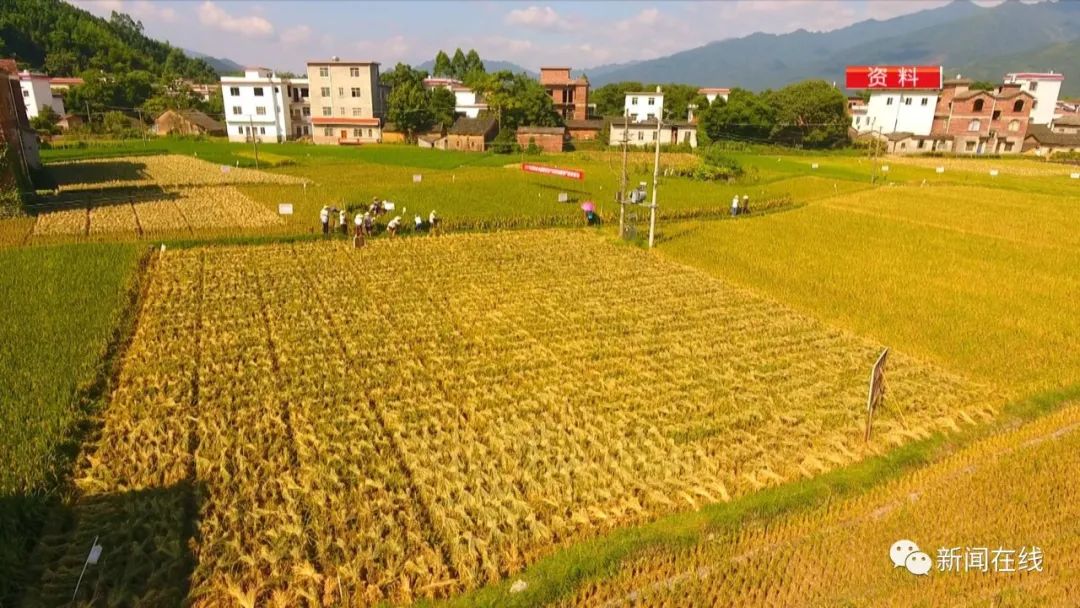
point(655, 183)
point(623, 183)
point(254, 140)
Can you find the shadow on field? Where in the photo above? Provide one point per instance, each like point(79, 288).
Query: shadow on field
point(81, 199)
point(146, 558)
point(118, 170)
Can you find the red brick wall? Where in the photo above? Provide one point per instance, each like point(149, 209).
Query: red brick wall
point(547, 142)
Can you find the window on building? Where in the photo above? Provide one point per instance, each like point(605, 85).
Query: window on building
point(240, 130)
point(858, 120)
point(324, 91)
point(25, 93)
point(306, 111)
point(652, 101)
point(262, 130)
point(342, 109)
point(996, 115)
point(903, 145)
point(326, 111)
point(925, 101)
point(369, 132)
point(234, 91)
point(1018, 106)
point(341, 91)
point(1034, 103)
point(974, 125)
point(324, 72)
point(888, 101)
point(652, 135)
point(356, 132)
point(633, 101)
point(641, 135)
point(922, 143)
point(237, 110)
point(1014, 125)
point(260, 110)
point(686, 137)
point(650, 117)
point(978, 105)
point(354, 72)
point(277, 90)
point(1032, 86)
point(356, 111)
point(258, 92)
point(907, 101)
point(355, 91)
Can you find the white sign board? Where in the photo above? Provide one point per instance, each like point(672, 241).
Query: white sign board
point(226, 168)
point(1074, 175)
point(563, 197)
point(884, 168)
point(284, 208)
point(813, 166)
point(417, 178)
point(993, 172)
point(95, 554)
point(940, 169)
point(388, 206)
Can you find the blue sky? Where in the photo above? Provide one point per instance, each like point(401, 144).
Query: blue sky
point(283, 34)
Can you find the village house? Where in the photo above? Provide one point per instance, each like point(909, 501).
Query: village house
point(187, 122)
point(641, 107)
point(1044, 87)
point(712, 93)
point(347, 102)
point(548, 139)
point(895, 111)
point(15, 132)
point(1069, 124)
point(983, 122)
point(38, 94)
point(467, 102)
point(645, 133)
point(60, 84)
point(263, 106)
point(472, 134)
point(1041, 141)
point(570, 95)
point(584, 130)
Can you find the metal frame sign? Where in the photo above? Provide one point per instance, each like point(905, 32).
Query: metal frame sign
point(554, 171)
point(877, 389)
point(894, 77)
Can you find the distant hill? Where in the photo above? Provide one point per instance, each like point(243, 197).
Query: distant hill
point(957, 34)
point(64, 40)
point(221, 65)
point(490, 65)
point(1062, 57)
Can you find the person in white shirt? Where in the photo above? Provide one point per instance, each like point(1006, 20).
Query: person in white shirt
point(393, 226)
point(433, 221)
point(343, 222)
point(358, 223)
point(418, 223)
point(324, 217)
point(735, 206)
point(745, 205)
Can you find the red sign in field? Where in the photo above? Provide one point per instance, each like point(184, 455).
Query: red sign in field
point(555, 171)
point(894, 77)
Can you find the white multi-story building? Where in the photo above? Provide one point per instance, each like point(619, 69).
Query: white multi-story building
point(897, 111)
point(1044, 87)
point(347, 101)
point(644, 106)
point(466, 101)
point(37, 94)
point(263, 106)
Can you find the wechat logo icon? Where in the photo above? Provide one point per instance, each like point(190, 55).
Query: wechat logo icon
point(906, 554)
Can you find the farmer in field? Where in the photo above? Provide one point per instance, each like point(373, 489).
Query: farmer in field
point(324, 217)
point(745, 208)
point(418, 223)
point(393, 226)
point(375, 207)
point(343, 222)
point(433, 221)
point(735, 206)
point(369, 224)
point(358, 233)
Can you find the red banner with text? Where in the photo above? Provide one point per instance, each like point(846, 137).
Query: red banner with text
point(894, 77)
point(555, 171)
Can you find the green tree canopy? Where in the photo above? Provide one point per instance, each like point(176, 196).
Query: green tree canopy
point(518, 100)
point(442, 104)
point(442, 65)
point(458, 64)
point(409, 103)
point(811, 113)
point(744, 116)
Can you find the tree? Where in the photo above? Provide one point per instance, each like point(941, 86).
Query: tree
point(442, 105)
point(473, 64)
point(46, 121)
point(743, 116)
point(982, 85)
point(458, 64)
point(409, 103)
point(518, 100)
point(442, 65)
point(610, 99)
point(811, 113)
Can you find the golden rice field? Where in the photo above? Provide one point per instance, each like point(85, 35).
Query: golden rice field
point(425, 415)
point(169, 170)
point(1006, 166)
point(1008, 493)
point(180, 211)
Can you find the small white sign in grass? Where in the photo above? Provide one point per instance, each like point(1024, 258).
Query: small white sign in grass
point(417, 178)
point(884, 168)
point(814, 166)
point(940, 169)
point(1074, 175)
point(993, 172)
point(284, 208)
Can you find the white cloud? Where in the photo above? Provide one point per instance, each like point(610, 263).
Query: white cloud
point(296, 35)
point(540, 17)
point(141, 10)
point(211, 15)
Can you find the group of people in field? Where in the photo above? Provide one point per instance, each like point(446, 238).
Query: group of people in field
point(740, 207)
point(364, 221)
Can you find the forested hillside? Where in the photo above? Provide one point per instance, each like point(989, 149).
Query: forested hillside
point(63, 40)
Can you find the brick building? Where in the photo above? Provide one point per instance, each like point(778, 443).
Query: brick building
point(548, 139)
point(570, 95)
point(472, 134)
point(16, 137)
point(347, 101)
point(584, 129)
point(187, 122)
point(983, 122)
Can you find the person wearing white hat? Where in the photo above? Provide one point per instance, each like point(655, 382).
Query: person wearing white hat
point(393, 226)
point(324, 217)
